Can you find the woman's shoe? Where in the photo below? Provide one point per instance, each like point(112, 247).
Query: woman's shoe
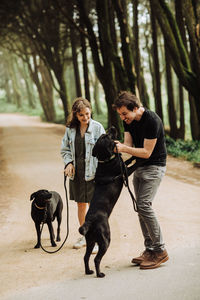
point(95, 249)
point(81, 242)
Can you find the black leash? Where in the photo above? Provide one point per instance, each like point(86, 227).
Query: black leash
point(45, 216)
point(124, 172)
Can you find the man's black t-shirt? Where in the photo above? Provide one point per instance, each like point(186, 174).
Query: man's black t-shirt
point(149, 127)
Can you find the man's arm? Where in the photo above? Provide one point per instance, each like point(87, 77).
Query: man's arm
point(127, 147)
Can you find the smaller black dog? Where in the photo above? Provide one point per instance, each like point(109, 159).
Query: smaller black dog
point(108, 186)
point(46, 205)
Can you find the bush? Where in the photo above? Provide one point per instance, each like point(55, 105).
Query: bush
point(189, 150)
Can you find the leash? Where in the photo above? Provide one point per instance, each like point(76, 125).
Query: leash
point(124, 173)
point(45, 216)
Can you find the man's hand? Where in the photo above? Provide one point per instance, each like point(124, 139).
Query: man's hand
point(118, 147)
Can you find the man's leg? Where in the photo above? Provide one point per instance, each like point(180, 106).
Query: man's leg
point(147, 238)
point(148, 181)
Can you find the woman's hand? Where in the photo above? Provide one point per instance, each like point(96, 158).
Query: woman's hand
point(69, 171)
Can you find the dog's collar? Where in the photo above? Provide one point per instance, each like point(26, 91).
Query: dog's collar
point(106, 160)
point(38, 206)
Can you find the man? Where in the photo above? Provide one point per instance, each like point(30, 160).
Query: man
point(144, 138)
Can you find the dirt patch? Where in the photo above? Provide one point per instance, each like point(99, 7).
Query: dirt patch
point(183, 170)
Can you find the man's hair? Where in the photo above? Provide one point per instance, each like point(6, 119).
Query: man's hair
point(127, 99)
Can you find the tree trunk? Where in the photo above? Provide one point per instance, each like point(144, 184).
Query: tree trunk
point(75, 62)
point(47, 92)
point(181, 25)
point(7, 84)
point(113, 118)
point(120, 7)
point(15, 82)
point(144, 97)
point(157, 82)
point(34, 71)
point(170, 93)
point(195, 130)
point(96, 95)
point(28, 85)
point(63, 92)
point(181, 129)
point(85, 66)
point(104, 69)
point(118, 75)
point(179, 57)
point(7, 89)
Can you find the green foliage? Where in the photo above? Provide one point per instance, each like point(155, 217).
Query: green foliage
point(7, 107)
point(189, 150)
point(12, 108)
point(102, 118)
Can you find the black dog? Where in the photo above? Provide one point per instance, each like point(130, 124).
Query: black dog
point(108, 186)
point(45, 207)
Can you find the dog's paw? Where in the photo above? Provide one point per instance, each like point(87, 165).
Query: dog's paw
point(101, 275)
point(89, 272)
point(53, 244)
point(58, 239)
point(37, 246)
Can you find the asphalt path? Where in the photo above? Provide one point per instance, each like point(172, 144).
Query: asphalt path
point(30, 160)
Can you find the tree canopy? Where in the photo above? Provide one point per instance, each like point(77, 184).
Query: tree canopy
point(62, 49)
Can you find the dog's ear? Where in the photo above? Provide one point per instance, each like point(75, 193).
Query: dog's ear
point(112, 131)
point(95, 148)
point(103, 148)
point(33, 196)
point(94, 151)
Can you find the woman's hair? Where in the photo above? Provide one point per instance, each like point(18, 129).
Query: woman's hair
point(127, 99)
point(78, 104)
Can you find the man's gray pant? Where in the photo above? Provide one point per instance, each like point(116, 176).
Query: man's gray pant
point(146, 181)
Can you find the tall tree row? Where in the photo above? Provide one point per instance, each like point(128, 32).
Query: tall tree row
point(130, 45)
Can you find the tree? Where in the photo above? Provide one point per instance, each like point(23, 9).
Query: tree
point(104, 66)
point(156, 67)
point(137, 57)
point(38, 24)
point(188, 75)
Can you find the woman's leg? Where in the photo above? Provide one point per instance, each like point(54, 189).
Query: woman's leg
point(82, 210)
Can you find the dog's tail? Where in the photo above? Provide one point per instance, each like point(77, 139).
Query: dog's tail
point(84, 228)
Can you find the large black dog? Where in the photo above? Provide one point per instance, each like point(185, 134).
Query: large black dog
point(45, 207)
point(108, 186)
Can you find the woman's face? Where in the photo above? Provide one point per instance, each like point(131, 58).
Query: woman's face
point(84, 116)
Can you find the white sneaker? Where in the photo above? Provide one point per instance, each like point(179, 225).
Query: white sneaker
point(95, 249)
point(81, 242)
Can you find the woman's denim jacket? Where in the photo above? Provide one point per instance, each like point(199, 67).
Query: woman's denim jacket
point(95, 129)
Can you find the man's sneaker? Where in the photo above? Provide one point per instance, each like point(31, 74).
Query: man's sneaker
point(81, 242)
point(95, 249)
point(138, 260)
point(154, 260)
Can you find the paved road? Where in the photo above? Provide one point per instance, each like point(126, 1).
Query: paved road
point(29, 155)
point(179, 280)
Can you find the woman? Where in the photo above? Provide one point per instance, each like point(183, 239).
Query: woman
point(81, 134)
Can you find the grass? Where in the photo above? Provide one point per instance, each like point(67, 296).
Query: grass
point(25, 109)
point(189, 150)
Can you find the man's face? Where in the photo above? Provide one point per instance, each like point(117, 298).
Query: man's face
point(126, 115)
